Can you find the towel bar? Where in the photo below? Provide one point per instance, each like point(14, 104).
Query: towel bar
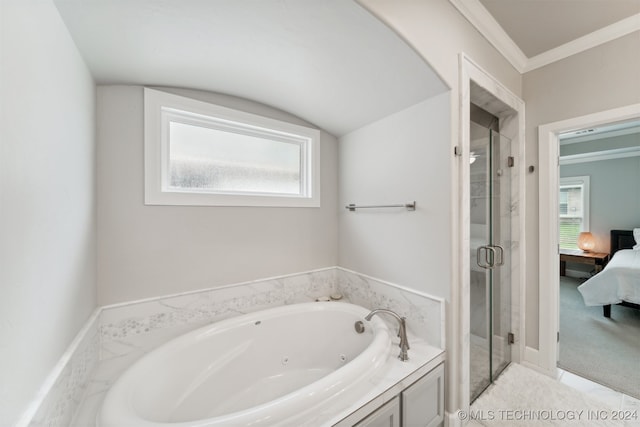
point(411, 206)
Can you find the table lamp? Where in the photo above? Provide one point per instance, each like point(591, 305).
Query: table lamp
point(586, 242)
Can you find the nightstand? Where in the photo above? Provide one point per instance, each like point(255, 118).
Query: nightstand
point(596, 259)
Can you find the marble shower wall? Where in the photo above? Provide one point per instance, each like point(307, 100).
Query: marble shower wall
point(516, 272)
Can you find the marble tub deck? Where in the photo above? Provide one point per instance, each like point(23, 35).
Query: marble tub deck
point(379, 389)
point(126, 332)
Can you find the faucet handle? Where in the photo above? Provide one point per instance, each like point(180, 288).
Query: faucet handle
point(402, 330)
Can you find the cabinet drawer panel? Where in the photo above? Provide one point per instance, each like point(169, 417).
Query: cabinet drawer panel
point(423, 401)
point(388, 415)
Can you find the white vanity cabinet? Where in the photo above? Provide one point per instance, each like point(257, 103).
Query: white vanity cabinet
point(388, 415)
point(423, 401)
point(419, 405)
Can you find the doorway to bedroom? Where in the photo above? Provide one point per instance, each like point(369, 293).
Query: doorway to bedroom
point(598, 205)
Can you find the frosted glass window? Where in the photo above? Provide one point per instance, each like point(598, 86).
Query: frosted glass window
point(202, 158)
point(201, 154)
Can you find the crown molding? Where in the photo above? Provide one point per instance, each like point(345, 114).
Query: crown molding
point(486, 24)
point(489, 28)
point(600, 135)
point(618, 153)
point(591, 40)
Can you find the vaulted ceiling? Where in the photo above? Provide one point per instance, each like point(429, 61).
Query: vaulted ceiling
point(329, 62)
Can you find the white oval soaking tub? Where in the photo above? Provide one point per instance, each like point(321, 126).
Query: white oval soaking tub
point(262, 368)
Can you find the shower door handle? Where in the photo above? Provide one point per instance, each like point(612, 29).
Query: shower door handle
point(488, 263)
point(500, 250)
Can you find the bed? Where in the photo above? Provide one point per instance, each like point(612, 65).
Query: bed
point(619, 282)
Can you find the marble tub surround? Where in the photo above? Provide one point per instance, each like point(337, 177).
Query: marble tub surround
point(116, 356)
point(424, 313)
point(245, 369)
point(120, 334)
point(210, 305)
point(382, 386)
point(64, 390)
point(128, 331)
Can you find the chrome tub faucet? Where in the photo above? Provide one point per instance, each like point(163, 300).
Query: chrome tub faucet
point(402, 331)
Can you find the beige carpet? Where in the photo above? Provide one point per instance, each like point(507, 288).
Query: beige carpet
point(606, 351)
point(524, 398)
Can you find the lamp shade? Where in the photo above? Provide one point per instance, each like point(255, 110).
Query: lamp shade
point(586, 242)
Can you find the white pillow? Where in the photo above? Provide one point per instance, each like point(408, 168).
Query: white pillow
point(636, 236)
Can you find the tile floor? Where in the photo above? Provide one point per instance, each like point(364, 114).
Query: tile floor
point(611, 397)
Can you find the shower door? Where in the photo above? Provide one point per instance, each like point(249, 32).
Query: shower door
point(490, 232)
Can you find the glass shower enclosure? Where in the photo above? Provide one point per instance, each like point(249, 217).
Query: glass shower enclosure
point(490, 271)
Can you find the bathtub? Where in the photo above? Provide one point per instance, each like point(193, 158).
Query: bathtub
point(260, 369)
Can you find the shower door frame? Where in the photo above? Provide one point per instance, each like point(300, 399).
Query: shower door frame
point(479, 87)
point(491, 193)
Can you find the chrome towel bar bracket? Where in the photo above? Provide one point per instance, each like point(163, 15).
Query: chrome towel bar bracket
point(410, 206)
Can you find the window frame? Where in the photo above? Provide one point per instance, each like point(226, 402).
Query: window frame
point(160, 107)
point(576, 181)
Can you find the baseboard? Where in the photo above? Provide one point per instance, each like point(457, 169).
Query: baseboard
point(531, 355)
point(454, 419)
point(540, 362)
point(532, 361)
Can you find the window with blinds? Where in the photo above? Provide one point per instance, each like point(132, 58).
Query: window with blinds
point(573, 202)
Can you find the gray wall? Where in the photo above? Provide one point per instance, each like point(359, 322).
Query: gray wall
point(146, 251)
point(47, 205)
point(395, 160)
point(601, 144)
point(614, 191)
point(599, 79)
